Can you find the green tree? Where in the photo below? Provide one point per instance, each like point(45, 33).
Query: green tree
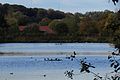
point(59, 27)
point(15, 19)
point(52, 14)
point(88, 27)
point(42, 13)
point(21, 18)
point(112, 24)
point(72, 24)
point(3, 24)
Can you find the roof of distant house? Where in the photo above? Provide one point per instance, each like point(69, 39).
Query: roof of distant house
point(45, 19)
point(46, 29)
point(41, 28)
point(22, 28)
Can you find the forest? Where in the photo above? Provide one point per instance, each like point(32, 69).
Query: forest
point(21, 24)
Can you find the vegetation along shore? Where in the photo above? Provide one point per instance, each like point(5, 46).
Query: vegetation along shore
point(21, 24)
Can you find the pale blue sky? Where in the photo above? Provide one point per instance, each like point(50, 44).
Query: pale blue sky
point(66, 5)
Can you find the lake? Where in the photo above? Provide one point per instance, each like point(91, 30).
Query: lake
point(57, 48)
point(35, 67)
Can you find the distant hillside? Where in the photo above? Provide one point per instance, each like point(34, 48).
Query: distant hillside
point(21, 24)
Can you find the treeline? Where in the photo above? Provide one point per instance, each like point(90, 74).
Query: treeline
point(99, 26)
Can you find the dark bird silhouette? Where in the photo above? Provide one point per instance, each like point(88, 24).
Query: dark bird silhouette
point(72, 56)
point(44, 75)
point(11, 73)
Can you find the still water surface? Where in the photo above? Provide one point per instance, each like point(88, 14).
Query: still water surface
point(56, 47)
point(35, 67)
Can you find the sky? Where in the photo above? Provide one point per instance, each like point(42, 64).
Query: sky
point(72, 6)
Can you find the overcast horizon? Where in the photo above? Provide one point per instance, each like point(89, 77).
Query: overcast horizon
point(66, 5)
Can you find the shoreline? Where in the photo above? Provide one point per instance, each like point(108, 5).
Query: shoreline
point(54, 53)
